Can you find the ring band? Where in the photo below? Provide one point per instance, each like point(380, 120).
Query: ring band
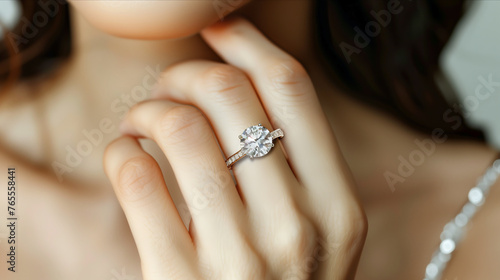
point(255, 141)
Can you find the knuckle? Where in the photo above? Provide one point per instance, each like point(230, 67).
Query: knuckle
point(351, 228)
point(137, 178)
point(222, 83)
point(249, 267)
point(357, 221)
point(297, 238)
point(288, 76)
point(180, 124)
point(253, 268)
point(242, 262)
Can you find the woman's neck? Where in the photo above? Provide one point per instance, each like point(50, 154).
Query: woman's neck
point(107, 75)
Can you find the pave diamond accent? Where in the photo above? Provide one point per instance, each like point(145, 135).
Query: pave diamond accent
point(278, 133)
point(235, 157)
point(256, 141)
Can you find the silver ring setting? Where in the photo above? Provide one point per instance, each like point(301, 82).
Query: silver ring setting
point(255, 141)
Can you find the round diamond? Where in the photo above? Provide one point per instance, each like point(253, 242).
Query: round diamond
point(256, 141)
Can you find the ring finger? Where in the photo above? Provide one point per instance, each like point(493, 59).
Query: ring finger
point(227, 97)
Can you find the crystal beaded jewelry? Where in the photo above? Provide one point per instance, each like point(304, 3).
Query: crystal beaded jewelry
point(454, 230)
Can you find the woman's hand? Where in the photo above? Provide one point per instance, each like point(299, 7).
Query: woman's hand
point(289, 215)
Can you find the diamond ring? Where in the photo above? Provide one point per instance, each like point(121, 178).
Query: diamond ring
point(255, 141)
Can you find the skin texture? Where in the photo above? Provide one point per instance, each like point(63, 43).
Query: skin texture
point(137, 179)
point(83, 213)
point(252, 232)
point(154, 20)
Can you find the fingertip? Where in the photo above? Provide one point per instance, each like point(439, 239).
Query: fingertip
point(118, 143)
point(125, 128)
point(115, 148)
point(228, 23)
point(156, 93)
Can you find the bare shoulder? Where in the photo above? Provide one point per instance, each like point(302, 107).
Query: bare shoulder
point(477, 256)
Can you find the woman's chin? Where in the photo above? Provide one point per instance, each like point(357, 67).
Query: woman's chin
point(150, 34)
point(149, 20)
